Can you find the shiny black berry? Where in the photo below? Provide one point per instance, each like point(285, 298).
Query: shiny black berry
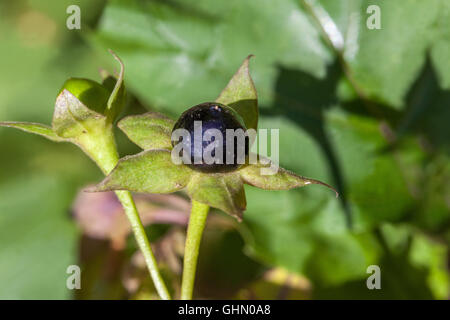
point(212, 115)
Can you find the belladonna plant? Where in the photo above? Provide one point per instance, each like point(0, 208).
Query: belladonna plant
point(84, 114)
point(153, 170)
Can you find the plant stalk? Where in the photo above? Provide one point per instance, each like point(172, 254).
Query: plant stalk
point(127, 202)
point(197, 220)
point(102, 149)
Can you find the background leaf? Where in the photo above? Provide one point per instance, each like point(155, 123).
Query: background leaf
point(441, 46)
point(194, 48)
point(385, 72)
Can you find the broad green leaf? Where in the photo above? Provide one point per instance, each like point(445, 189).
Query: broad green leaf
point(150, 171)
point(304, 230)
point(35, 128)
point(376, 186)
point(432, 256)
point(240, 94)
point(411, 264)
point(151, 130)
point(440, 50)
point(435, 206)
point(181, 53)
point(306, 234)
point(225, 192)
point(383, 63)
point(347, 150)
point(385, 71)
point(72, 118)
point(255, 175)
point(315, 224)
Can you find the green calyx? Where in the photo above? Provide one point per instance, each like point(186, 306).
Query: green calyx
point(83, 115)
point(92, 94)
point(153, 171)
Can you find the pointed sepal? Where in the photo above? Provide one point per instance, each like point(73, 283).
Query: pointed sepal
point(35, 128)
point(240, 94)
point(151, 171)
point(225, 192)
point(266, 175)
point(151, 130)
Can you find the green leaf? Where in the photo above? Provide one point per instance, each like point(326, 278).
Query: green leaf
point(180, 53)
point(240, 94)
point(431, 256)
point(306, 233)
point(383, 62)
point(35, 128)
point(309, 220)
point(254, 175)
point(440, 51)
point(377, 187)
point(150, 171)
point(151, 130)
point(225, 192)
point(72, 118)
point(412, 267)
point(38, 181)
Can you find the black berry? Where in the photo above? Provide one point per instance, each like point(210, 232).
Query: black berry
point(213, 115)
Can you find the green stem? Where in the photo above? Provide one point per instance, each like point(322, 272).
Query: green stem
point(127, 202)
point(197, 220)
point(102, 149)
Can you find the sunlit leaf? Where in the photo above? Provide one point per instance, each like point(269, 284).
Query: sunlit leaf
point(440, 50)
point(181, 53)
point(376, 59)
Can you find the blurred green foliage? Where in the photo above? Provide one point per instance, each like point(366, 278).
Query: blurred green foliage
point(364, 110)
